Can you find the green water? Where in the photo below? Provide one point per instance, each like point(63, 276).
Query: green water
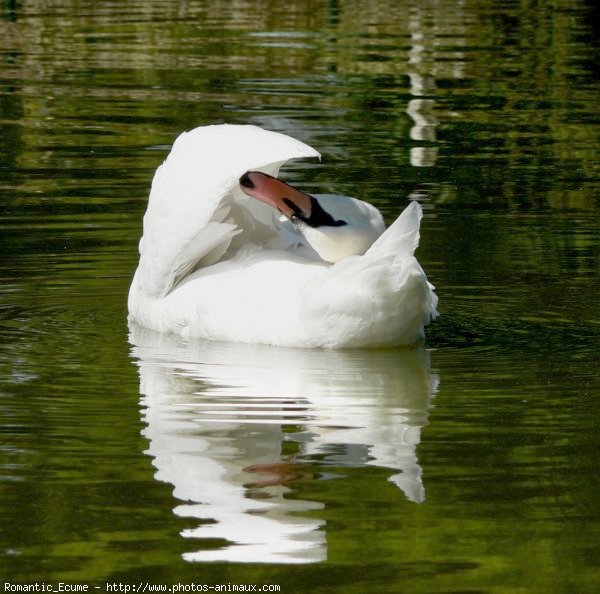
point(469, 464)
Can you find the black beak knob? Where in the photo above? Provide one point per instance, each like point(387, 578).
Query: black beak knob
point(246, 181)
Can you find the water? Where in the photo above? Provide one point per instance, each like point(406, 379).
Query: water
point(468, 464)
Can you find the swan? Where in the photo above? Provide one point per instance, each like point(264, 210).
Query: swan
point(230, 252)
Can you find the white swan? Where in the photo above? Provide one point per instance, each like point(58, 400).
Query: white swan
point(218, 261)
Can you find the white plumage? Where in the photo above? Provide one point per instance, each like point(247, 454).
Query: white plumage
point(219, 264)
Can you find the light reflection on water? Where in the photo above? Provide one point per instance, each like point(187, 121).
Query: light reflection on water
point(233, 427)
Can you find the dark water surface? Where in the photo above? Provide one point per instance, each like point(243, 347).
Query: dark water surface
point(467, 465)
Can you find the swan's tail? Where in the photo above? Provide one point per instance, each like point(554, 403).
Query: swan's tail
point(402, 239)
point(382, 298)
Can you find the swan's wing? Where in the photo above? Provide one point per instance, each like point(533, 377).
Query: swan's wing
point(380, 298)
point(196, 207)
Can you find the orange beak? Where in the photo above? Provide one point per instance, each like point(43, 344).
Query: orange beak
point(268, 189)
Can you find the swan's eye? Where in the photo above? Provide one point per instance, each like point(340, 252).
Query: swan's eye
point(318, 217)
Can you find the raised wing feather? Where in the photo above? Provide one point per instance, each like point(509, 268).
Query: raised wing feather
point(195, 206)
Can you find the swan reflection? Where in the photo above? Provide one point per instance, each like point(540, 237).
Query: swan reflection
point(233, 427)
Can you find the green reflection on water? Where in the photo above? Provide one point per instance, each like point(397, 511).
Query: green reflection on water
point(486, 114)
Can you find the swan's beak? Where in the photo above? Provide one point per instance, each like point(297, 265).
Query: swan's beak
point(272, 191)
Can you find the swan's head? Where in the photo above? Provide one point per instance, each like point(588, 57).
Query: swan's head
point(335, 226)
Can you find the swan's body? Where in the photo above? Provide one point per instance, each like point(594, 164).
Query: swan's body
point(216, 263)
